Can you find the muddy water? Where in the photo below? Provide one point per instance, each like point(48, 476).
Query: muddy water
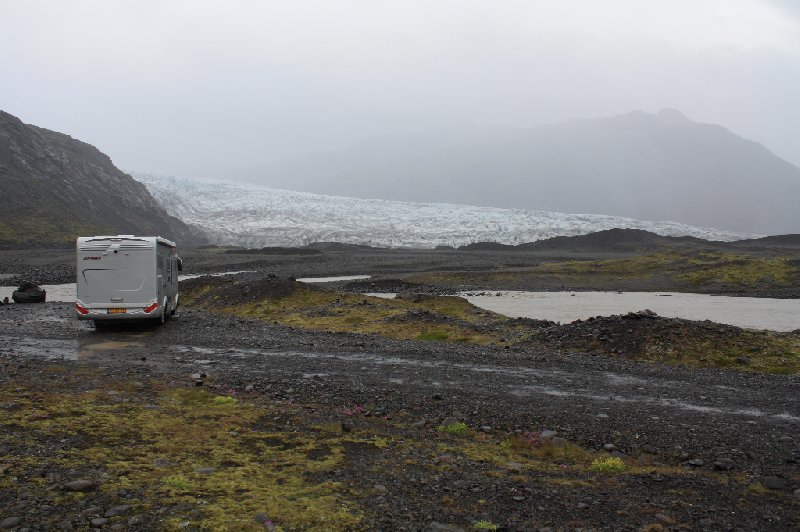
point(750, 312)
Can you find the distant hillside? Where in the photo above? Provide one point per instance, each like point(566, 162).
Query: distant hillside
point(660, 166)
point(55, 188)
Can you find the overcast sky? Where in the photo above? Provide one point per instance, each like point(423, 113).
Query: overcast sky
point(197, 88)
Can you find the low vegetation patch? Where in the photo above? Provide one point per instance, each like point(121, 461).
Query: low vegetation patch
point(608, 465)
point(430, 318)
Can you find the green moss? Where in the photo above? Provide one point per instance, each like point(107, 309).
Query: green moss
point(433, 336)
point(608, 465)
point(454, 428)
point(188, 430)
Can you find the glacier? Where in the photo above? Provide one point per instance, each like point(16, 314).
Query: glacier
point(243, 214)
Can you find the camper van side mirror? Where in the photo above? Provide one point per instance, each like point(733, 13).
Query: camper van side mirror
point(180, 265)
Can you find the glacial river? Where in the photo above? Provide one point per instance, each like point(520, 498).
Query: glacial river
point(564, 307)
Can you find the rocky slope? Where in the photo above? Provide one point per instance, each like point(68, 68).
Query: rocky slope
point(55, 188)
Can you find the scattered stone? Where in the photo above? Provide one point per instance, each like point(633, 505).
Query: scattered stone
point(609, 447)
point(797, 493)
point(514, 466)
point(602, 416)
point(450, 420)
point(558, 442)
point(743, 361)
point(786, 439)
point(723, 464)
point(10, 522)
point(205, 362)
point(136, 520)
point(205, 470)
point(380, 488)
point(99, 521)
point(582, 505)
point(346, 427)
point(696, 462)
point(518, 498)
point(774, 483)
point(486, 428)
point(66, 524)
point(547, 434)
point(433, 526)
point(249, 388)
point(118, 510)
point(664, 518)
point(80, 485)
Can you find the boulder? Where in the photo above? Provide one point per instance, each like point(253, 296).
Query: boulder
point(29, 293)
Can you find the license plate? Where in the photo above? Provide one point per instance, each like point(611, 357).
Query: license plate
point(117, 310)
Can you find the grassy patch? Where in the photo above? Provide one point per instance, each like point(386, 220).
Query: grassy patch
point(454, 428)
point(425, 318)
point(224, 463)
point(433, 336)
point(608, 465)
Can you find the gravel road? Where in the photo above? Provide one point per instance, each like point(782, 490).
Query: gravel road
point(689, 414)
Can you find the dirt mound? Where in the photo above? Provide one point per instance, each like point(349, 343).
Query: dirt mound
point(381, 286)
point(645, 335)
point(225, 291)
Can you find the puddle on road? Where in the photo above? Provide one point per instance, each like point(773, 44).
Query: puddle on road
point(333, 279)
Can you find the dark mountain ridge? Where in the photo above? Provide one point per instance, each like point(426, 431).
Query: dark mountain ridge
point(56, 188)
point(660, 166)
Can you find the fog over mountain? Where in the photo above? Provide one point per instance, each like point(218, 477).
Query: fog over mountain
point(661, 166)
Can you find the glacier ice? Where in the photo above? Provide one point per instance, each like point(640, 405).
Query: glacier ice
point(242, 214)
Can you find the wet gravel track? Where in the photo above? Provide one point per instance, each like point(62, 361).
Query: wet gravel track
point(681, 414)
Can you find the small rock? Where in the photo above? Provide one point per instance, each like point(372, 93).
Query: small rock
point(136, 520)
point(518, 498)
point(609, 447)
point(664, 518)
point(99, 521)
point(418, 424)
point(797, 493)
point(450, 420)
point(582, 505)
point(723, 464)
point(558, 442)
point(433, 526)
point(774, 483)
point(785, 439)
point(547, 434)
point(486, 428)
point(205, 470)
point(66, 524)
point(602, 416)
point(743, 361)
point(696, 462)
point(10, 522)
point(80, 485)
point(117, 526)
point(249, 388)
point(117, 510)
point(346, 427)
point(380, 488)
point(514, 466)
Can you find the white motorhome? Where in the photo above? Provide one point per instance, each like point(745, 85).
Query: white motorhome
point(126, 277)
